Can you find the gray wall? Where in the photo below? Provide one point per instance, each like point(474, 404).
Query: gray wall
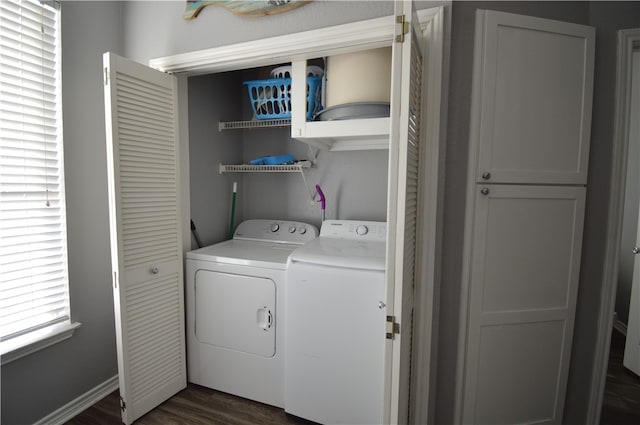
point(607, 17)
point(211, 192)
point(156, 28)
point(36, 385)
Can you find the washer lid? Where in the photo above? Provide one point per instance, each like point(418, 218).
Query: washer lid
point(344, 253)
point(245, 253)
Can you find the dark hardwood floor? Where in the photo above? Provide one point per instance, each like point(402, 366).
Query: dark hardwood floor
point(194, 405)
point(621, 404)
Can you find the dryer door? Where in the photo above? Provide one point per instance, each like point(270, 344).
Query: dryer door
point(236, 312)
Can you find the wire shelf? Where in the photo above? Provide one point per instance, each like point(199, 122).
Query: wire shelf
point(238, 125)
point(248, 168)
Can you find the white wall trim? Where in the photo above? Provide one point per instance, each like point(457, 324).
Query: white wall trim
point(38, 340)
point(472, 160)
point(372, 33)
point(86, 400)
point(627, 40)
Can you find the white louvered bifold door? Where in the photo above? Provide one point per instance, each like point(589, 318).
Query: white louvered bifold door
point(144, 210)
point(402, 213)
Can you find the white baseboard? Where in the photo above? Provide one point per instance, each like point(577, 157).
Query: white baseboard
point(86, 400)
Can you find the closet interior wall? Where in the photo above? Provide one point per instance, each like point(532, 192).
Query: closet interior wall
point(354, 182)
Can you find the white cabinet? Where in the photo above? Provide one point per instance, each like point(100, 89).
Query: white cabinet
point(352, 134)
point(529, 146)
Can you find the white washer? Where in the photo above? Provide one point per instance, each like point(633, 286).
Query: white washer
point(235, 309)
point(335, 325)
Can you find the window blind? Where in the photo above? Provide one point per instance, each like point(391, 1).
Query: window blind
point(33, 244)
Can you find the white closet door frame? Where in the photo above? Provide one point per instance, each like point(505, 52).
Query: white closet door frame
point(146, 238)
point(631, 359)
point(628, 41)
point(378, 32)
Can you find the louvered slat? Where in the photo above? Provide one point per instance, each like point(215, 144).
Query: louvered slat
point(154, 331)
point(146, 145)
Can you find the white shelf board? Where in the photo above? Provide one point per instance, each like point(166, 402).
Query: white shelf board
point(356, 134)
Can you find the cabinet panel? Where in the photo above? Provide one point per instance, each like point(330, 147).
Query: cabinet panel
point(523, 288)
point(527, 247)
point(518, 373)
point(536, 90)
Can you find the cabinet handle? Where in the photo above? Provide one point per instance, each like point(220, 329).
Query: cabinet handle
point(486, 175)
point(636, 250)
point(154, 270)
point(484, 190)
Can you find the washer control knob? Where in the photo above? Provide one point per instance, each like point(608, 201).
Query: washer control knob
point(292, 229)
point(362, 230)
point(302, 230)
point(275, 227)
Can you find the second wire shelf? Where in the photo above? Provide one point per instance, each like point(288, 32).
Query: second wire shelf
point(249, 168)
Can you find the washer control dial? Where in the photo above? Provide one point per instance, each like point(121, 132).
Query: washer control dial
point(275, 227)
point(302, 230)
point(292, 229)
point(362, 230)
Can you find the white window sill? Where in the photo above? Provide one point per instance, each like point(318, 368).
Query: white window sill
point(35, 341)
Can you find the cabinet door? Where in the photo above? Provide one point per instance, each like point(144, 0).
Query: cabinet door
point(525, 262)
point(146, 241)
point(534, 90)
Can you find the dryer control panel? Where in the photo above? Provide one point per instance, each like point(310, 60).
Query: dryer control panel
point(355, 229)
point(279, 231)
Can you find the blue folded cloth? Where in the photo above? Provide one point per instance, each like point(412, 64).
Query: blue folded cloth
point(274, 160)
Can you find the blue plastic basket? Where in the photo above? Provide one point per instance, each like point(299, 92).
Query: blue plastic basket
point(271, 98)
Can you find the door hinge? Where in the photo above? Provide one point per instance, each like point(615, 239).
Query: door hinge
point(402, 28)
point(115, 280)
point(106, 76)
point(391, 327)
point(123, 405)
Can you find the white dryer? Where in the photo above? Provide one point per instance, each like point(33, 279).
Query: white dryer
point(335, 325)
point(235, 309)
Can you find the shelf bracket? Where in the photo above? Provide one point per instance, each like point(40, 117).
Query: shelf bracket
point(312, 194)
point(313, 157)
